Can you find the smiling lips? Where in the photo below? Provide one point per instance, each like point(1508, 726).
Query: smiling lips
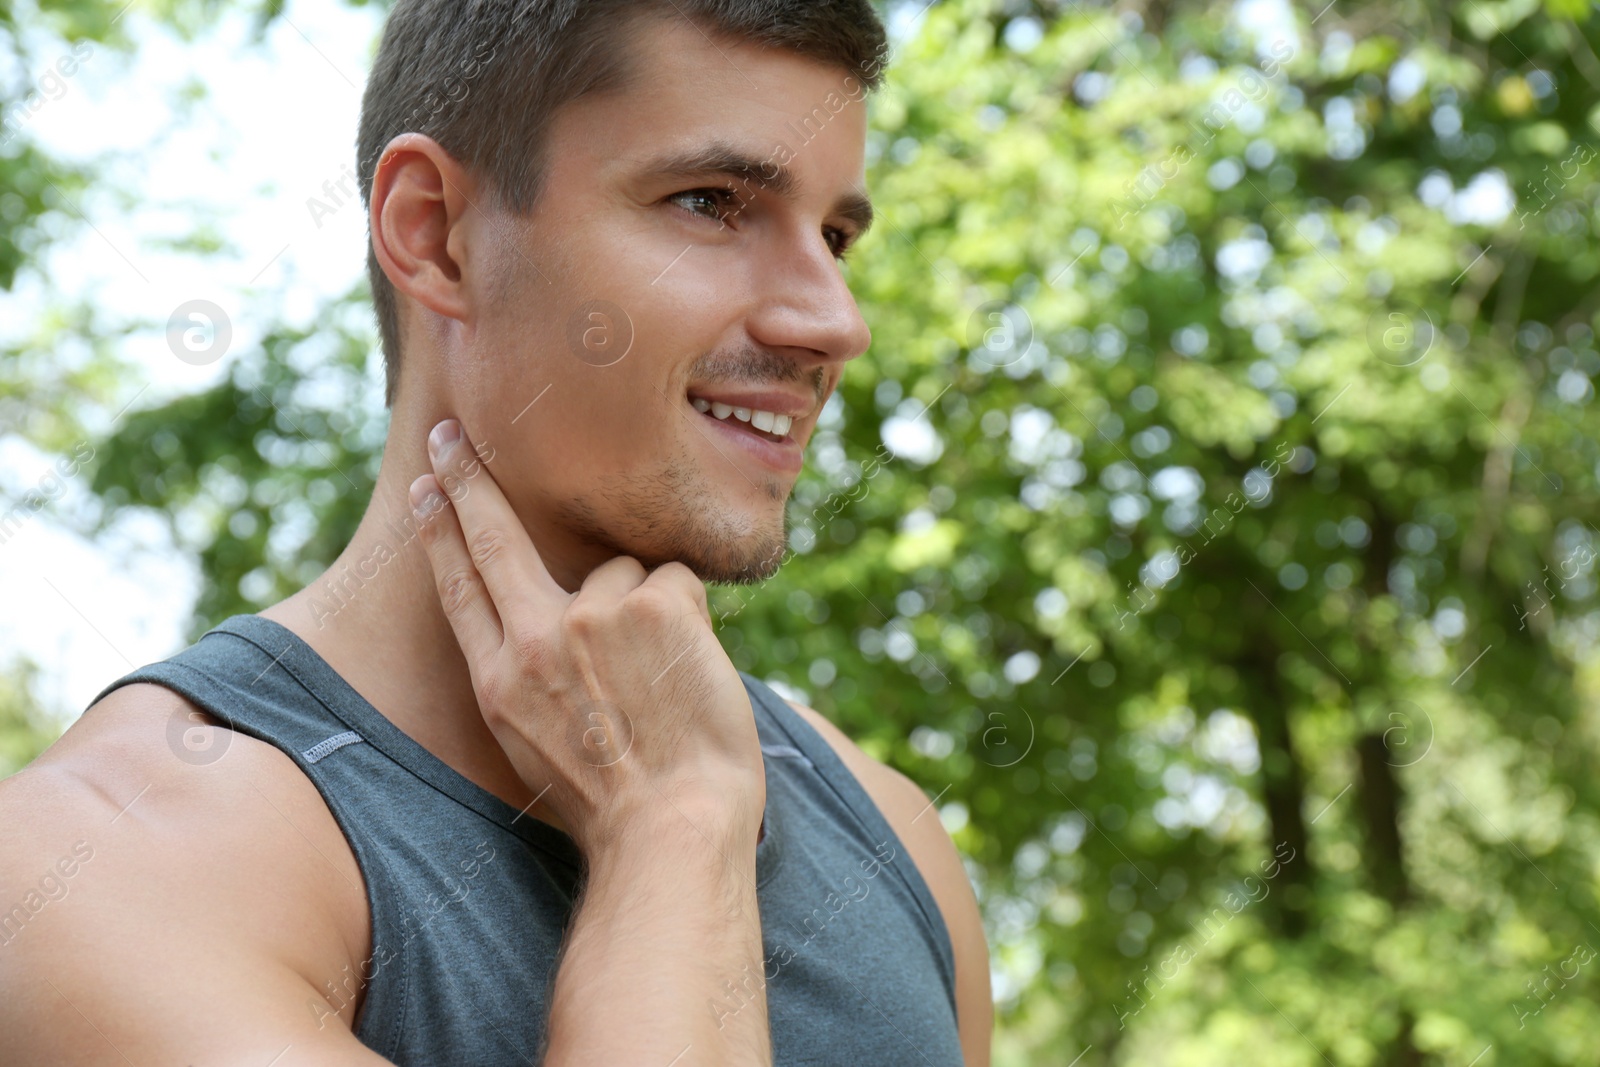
point(768, 414)
point(774, 424)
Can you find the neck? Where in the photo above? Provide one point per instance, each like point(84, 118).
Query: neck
point(374, 615)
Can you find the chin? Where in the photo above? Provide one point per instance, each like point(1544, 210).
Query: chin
point(723, 541)
point(723, 557)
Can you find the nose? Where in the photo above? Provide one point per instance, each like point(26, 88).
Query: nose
point(804, 303)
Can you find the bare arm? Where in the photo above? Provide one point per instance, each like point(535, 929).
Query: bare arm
point(664, 920)
point(619, 708)
point(156, 911)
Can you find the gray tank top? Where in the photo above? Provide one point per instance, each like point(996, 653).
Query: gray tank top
point(469, 897)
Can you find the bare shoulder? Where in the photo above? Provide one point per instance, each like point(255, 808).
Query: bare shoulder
point(154, 865)
point(911, 813)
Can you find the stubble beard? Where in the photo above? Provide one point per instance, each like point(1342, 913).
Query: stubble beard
point(672, 513)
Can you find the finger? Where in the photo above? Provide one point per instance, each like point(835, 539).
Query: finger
point(495, 538)
point(613, 579)
point(461, 591)
point(683, 583)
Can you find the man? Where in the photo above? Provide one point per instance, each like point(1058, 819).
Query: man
point(490, 790)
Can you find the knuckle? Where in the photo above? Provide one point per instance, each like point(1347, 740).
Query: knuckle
point(679, 577)
point(582, 621)
point(632, 567)
point(654, 604)
point(487, 546)
point(456, 590)
point(678, 573)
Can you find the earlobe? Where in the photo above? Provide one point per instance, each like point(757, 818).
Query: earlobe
point(418, 206)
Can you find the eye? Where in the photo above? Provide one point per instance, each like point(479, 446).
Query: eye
point(839, 241)
point(711, 203)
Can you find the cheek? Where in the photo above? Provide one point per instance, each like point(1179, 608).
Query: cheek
point(709, 289)
point(584, 361)
point(614, 415)
point(676, 284)
point(595, 425)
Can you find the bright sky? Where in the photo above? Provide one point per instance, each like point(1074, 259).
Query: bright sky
point(277, 120)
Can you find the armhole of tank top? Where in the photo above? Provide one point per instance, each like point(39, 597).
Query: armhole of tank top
point(832, 770)
point(206, 692)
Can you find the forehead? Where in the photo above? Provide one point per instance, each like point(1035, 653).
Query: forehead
point(687, 88)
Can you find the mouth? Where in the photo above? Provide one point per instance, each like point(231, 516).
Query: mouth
point(761, 434)
point(766, 425)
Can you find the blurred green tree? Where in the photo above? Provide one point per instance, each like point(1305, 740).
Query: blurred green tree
point(1211, 529)
point(25, 730)
point(69, 361)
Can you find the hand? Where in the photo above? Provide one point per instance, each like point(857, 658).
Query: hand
point(616, 704)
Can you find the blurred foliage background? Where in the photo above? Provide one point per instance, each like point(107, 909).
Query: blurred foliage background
point(1211, 528)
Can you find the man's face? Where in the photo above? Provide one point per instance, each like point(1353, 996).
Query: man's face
point(632, 298)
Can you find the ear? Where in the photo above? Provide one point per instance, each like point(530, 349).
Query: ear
point(420, 197)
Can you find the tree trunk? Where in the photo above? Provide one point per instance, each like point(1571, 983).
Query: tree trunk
point(1283, 793)
point(1380, 810)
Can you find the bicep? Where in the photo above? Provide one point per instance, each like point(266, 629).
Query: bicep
point(119, 999)
point(154, 931)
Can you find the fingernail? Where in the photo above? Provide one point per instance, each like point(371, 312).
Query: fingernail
point(429, 507)
point(443, 436)
point(425, 502)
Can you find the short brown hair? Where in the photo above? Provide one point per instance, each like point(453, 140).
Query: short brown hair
point(484, 77)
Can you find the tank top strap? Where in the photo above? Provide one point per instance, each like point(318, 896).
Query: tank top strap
point(261, 679)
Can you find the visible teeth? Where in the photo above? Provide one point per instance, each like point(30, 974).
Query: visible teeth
point(777, 425)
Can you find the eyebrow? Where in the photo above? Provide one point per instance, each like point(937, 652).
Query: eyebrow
point(722, 158)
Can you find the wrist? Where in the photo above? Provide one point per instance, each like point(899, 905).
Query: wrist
point(694, 831)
